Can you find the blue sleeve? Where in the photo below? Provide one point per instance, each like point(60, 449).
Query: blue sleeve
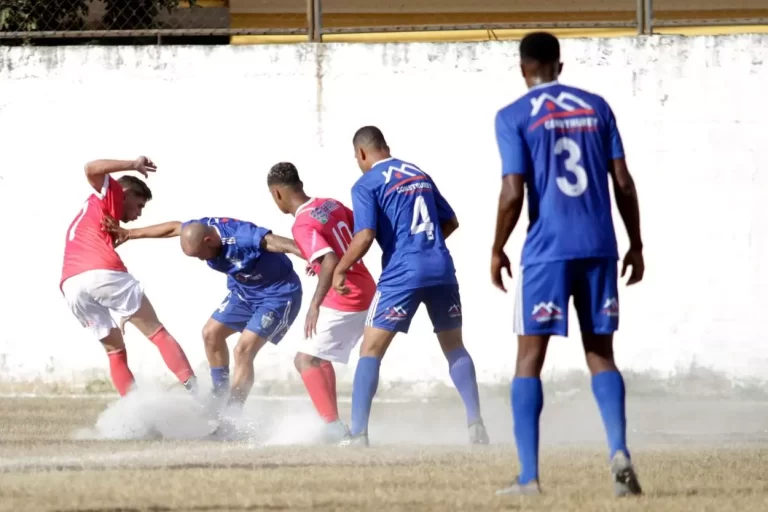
point(250, 236)
point(614, 137)
point(365, 208)
point(444, 210)
point(512, 147)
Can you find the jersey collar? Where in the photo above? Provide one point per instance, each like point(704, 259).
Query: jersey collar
point(542, 86)
point(298, 210)
point(382, 161)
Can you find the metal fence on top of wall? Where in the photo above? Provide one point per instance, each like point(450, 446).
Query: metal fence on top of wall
point(88, 21)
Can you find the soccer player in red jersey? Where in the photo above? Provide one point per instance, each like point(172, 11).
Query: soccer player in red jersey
point(96, 283)
point(323, 231)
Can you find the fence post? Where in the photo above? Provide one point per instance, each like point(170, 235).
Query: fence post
point(318, 7)
point(640, 17)
point(311, 20)
point(649, 17)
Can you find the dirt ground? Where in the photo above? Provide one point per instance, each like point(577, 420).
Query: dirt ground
point(692, 455)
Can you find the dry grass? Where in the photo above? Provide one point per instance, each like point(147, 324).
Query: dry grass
point(42, 468)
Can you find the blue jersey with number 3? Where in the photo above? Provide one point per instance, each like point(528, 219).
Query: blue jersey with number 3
point(562, 140)
point(403, 206)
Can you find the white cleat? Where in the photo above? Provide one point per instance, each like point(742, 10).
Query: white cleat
point(625, 482)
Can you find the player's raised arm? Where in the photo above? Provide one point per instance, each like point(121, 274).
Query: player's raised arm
point(276, 243)
point(96, 170)
point(164, 230)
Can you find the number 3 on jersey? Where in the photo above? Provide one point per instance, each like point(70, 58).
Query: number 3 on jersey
point(572, 164)
point(421, 222)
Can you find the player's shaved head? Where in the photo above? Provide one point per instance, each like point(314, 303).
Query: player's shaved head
point(540, 58)
point(371, 138)
point(192, 236)
point(370, 147)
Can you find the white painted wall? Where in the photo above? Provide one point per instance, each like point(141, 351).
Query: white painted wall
point(215, 119)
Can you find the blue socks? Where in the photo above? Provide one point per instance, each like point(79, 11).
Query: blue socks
point(220, 378)
point(608, 388)
point(462, 371)
point(363, 389)
point(527, 402)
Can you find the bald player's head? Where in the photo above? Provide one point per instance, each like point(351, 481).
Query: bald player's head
point(370, 147)
point(200, 241)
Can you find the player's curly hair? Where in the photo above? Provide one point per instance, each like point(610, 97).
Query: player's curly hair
point(135, 186)
point(283, 174)
point(541, 47)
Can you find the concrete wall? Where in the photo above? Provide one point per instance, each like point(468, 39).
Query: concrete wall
point(215, 120)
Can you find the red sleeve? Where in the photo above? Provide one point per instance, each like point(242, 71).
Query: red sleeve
point(310, 240)
point(111, 196)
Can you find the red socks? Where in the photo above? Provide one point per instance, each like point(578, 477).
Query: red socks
point(321, 385)
point(172, 354)
point(122, 377)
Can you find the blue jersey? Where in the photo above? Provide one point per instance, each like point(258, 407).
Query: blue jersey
point(403, 206)
point(562, 140)
point(252, 272)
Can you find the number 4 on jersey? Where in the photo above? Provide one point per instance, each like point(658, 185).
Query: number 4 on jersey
point(421, 222)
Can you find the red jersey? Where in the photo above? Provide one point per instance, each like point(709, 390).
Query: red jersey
point(323, 226)
point(87, 246)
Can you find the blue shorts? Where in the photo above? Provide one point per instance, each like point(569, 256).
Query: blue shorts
point(269, 318)
point(544, 290)
point(393, 310)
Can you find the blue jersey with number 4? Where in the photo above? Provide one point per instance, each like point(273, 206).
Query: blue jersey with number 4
point(403, 206)
point(562, 140)
point(252, 272)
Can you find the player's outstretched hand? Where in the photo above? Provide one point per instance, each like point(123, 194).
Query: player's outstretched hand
point(634, 259)
point(144, 165)
point(310, 324)
point(499, 261)
point(111, 226)
point(340, 283)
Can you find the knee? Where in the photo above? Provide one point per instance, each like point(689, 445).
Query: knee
point(244, 353)
point(211, 337)
point(303, 361)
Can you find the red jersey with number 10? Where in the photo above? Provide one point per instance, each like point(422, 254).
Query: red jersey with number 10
point(323, 226)
point(87, 246)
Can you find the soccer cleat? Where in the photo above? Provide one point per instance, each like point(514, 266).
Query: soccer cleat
point(625, 480)
point(335, 432)
point(357, 441)
point(517, 489)
point(478, 434)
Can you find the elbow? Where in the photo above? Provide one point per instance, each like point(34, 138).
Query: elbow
point(510, 201)
point(626, 187)
point(90, 169)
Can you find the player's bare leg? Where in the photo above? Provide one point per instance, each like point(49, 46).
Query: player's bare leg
point(527, 402)
point(215, 336)
point(375, 344)
point(319, 378)
point(245, 352)
point(122, 378)
point(462, 371)
point(146, 321)
point(608, 388)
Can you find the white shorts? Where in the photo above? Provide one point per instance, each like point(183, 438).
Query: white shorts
point(95, 296)
point(337, 334)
